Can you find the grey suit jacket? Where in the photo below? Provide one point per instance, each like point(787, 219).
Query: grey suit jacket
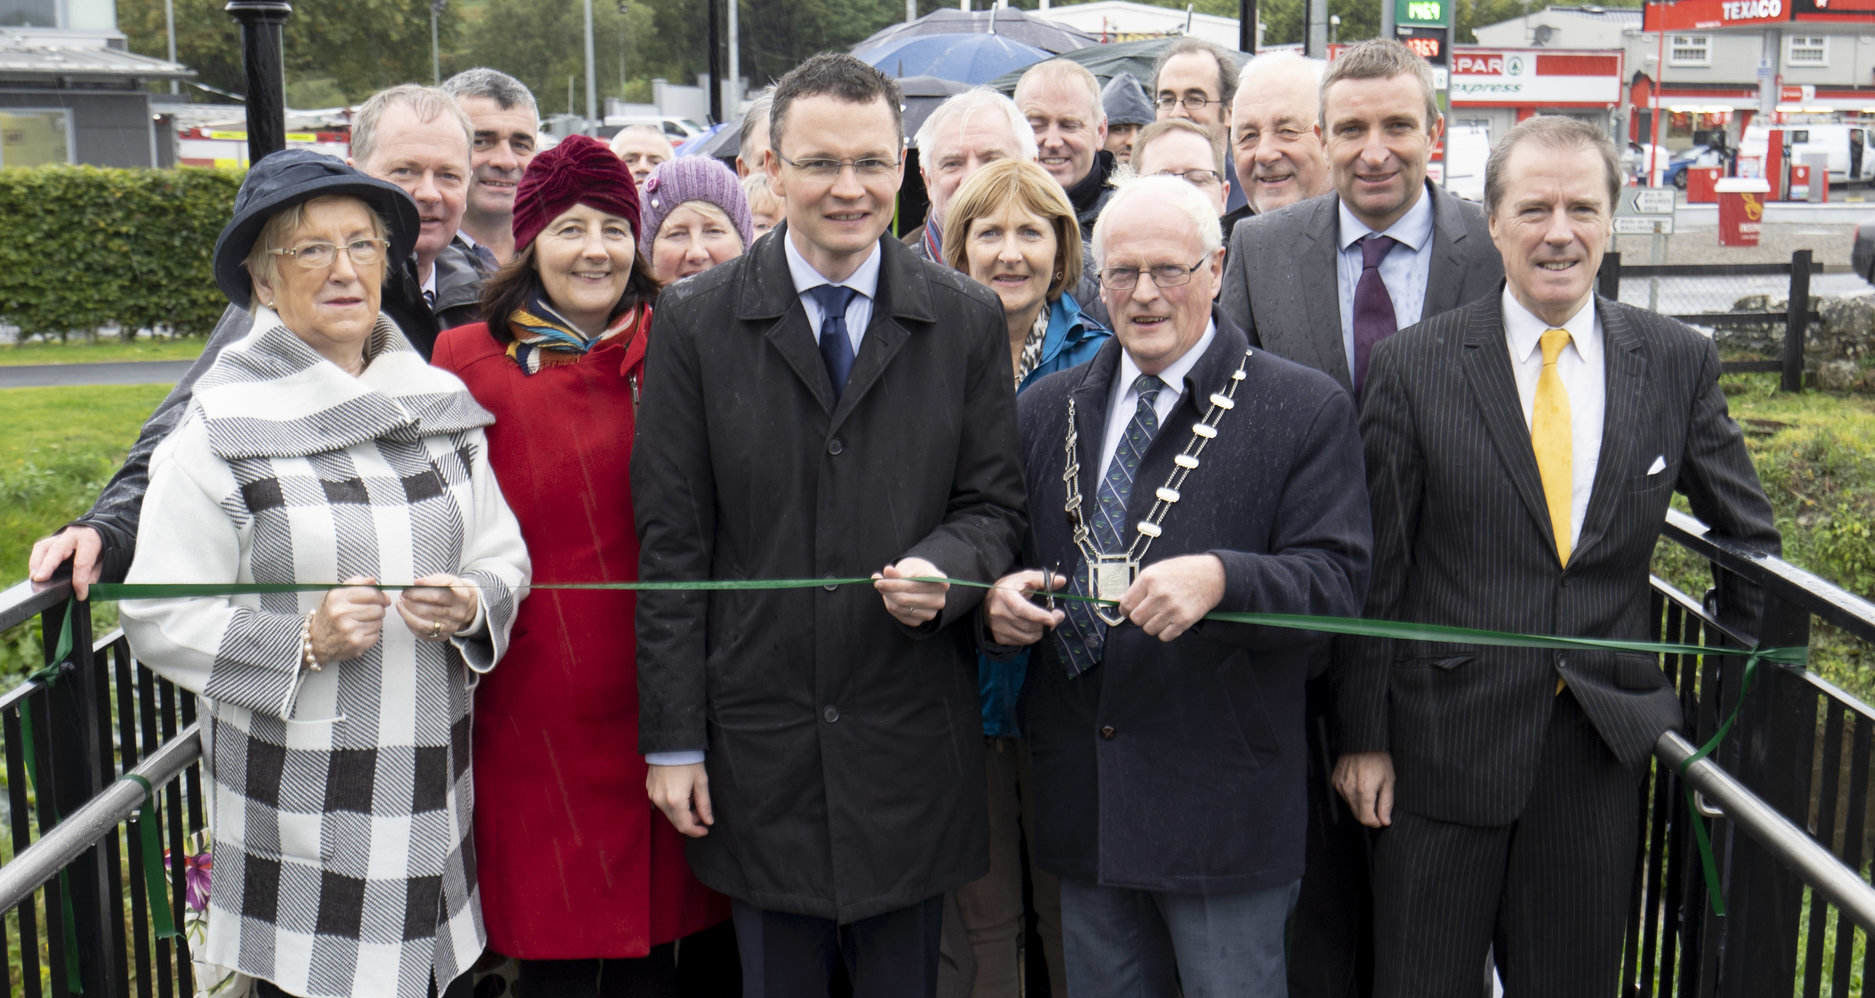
point(1279, 277)
point(1462, 536)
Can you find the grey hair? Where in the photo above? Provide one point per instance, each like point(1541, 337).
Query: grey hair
point(506, 91)
point(959, 108)
point(1286, 63)
point(1555, 132)
point(1069, 70)
point(1380, 59)
point(427, 103)
point(755, 120)
point(1168, 192)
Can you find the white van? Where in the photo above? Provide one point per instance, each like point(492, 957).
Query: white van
point(1850, 147)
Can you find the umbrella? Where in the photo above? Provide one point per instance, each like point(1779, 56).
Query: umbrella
point(960, 57)
point(1012, 24)
point(1107, 61)
point(721, 140)
point(922, 96)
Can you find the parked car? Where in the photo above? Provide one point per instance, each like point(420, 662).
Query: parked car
point(1696, 156)
point(1634, 160)
point(1862, 254)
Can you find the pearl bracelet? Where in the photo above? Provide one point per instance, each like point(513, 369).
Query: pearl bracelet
point(307, 659)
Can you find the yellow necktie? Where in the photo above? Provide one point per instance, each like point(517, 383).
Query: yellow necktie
point(1549, 437)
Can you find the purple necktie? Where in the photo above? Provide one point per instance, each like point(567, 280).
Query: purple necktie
point(1373, 307)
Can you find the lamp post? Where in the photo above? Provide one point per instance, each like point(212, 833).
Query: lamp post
point(261, 21)
point(436, 58)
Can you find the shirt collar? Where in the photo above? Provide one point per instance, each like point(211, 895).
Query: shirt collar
point(467, 240)
point(1173, 375)
point(1413, 229)
point(1525, 331)
point(864, 280)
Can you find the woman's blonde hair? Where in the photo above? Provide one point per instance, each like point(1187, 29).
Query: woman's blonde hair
point(1022, 183)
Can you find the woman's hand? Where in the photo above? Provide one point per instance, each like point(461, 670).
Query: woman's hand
point(349, 620)
point(439, 606)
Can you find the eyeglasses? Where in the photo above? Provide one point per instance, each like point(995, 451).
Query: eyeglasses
point(1197, 178)
point(1164, 275)
point(869, 167)
point(319, 256)
point(1192, 102)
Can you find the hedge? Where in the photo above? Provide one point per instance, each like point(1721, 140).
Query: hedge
point(88, 246)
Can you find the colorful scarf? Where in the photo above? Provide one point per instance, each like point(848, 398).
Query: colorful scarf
point(1031, 357)
point(545, 338)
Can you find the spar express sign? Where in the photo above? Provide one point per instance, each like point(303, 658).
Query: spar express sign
point(1535, 76)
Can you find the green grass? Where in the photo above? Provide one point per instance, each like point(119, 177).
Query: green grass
point(100, 351)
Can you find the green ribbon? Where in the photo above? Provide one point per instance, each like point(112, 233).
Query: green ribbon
point(1354, 626)
point(154, 883)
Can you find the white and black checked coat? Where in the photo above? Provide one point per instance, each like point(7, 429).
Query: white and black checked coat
point(339, 800)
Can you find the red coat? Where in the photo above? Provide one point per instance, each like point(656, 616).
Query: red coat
point(574, 860)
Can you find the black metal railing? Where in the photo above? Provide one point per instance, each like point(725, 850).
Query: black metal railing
point(1799, 312)
point(1802, 748)
point(1793, 829)
point(74, 908)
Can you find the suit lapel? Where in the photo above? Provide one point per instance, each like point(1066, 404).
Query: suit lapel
point(1494, 390)
point(1625, 364)
point(1091, 397)
point(767, 292)
point(903, 301)
point(1319, 275)
point(1446, 273)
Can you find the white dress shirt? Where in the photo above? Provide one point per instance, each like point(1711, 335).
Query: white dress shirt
point(1584, 376)
point(1124, 400)
point(864, 280)
point(1404, 271)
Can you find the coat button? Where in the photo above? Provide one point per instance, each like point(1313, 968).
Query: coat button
point(830, 587)
point(1107, 732)
point(830, 714)
point(836, 447)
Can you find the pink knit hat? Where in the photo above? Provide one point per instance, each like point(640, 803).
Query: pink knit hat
point(693, 178)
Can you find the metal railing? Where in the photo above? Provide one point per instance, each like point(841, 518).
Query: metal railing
point(1788, 791)
point(73, 900)
point(1798, 314)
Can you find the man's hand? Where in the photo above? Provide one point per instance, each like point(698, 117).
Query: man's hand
point(349, 620)
point(1013, 620)
point(683, 794)
point(79, 543)
point(1365, 780)
point(913, 604)
point(1171, 595)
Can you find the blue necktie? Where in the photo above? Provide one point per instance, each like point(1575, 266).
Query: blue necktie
point(836, 349)
point(1083, 636)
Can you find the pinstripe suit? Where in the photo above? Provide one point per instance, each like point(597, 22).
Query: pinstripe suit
point(1481, 742)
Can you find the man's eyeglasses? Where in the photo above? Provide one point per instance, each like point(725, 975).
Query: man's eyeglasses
point(319, 256)
point(1192, 102)
point(869, 167)
point(1197, 178)
point(1164, 275)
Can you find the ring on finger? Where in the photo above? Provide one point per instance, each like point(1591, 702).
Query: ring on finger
point(436, 630)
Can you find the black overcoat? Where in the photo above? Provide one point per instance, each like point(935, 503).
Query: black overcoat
point(844, 750)
point(1179, 766)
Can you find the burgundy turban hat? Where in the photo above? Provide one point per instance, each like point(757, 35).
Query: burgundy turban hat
point(580, 170)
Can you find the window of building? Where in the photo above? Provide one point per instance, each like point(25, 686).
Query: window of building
point(34, 137)
point(1806, 50)
point(1689, 50)
point(29, 13)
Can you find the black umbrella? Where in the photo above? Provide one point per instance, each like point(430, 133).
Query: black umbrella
point(1011, 24)
point(922, 96)
point(1107, 61)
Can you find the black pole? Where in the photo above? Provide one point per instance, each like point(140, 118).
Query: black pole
point(261, 21)
point(1797, 321)
point(1247, 25)
point(716, 65)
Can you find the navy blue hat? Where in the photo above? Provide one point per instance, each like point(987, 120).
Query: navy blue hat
point(288, 177)
point(1125, 101)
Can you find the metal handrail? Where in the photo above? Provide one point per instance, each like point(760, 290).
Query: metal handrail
point(1811, 593)
point(1844, 887)
point(38, 863)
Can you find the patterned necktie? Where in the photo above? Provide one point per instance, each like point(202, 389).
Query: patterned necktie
point(1373, 306)
point(1082, 635)
point(1550, 438)
point(429, 299)
point(836, 350)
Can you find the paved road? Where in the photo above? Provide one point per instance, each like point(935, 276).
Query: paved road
point(143, 372)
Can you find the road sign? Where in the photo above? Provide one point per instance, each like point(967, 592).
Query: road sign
point(1643, 225)
point(1646, 201)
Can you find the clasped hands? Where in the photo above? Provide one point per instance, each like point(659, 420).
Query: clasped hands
point(1165, 600)
point(351, 618)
